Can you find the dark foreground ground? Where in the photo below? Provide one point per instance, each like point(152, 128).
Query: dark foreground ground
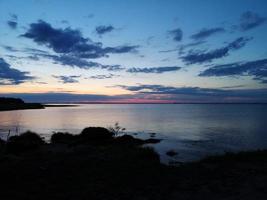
point(108, 167)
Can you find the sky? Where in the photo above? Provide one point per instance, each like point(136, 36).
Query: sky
point(134, 51)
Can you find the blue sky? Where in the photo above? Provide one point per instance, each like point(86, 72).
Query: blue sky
point(134, 51)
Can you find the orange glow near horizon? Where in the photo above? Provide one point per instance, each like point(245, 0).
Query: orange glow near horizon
point(131, 101)
point(99, 90)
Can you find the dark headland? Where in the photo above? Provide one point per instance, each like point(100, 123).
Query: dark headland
point(7, 104)
point(98, 164)
point(17, 104)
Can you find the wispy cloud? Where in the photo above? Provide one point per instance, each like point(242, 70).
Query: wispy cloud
point(13, 22)
point(108, 76)
point(9, 48)
point(207, 32)
point(177, 34)
point(72, 61)
point(155, 70)
point(100, 30)
point(67, 79)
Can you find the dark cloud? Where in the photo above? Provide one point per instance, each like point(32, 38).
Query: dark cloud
point(161, 89)
point(239, 43)
point(100, 30)
point(67, 60)
point(34, 57)
point(250, 20)
point(184, 47)
point(70, 41)
point(112, 67)
point(73, 61)
point(12, 24)
point(14, 16)
point(64, 21)
point(11, 76)
point(67, 79)
point(90, 16)
point(196, 94)
point(103, 76)
point(194, 57)
point(256, 69)
point(61, 40)
point(177, 34)
point(207, 32)
point(234, 86)
point(121, 49)
point(202, 57)
point(156, 70)
point(78, 62)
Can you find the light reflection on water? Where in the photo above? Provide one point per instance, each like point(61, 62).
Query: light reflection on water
point(193, 130)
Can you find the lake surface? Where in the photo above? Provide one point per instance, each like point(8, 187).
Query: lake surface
point(193, 130)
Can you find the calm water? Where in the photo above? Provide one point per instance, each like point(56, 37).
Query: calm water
point(193, 130)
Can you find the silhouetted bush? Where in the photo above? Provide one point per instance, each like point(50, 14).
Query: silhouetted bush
point(116, 129)
point(62, 138)
point(24, 142)
point(95, 135)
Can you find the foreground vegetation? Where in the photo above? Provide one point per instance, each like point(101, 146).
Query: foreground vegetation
point(97, 165)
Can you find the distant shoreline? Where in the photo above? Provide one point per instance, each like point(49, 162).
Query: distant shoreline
point(30, 106)
point(47, 104)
